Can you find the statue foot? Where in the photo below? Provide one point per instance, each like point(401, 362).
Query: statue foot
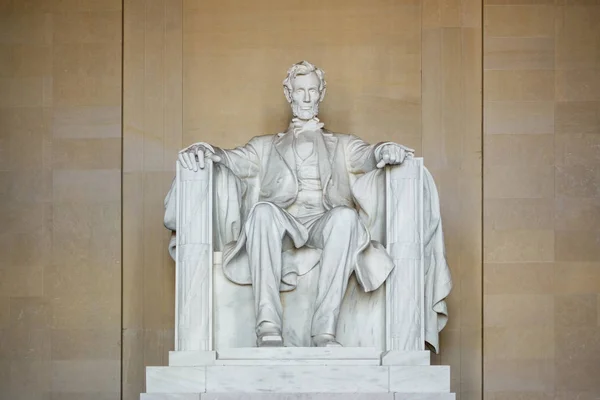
point(325, 340)
point(268, 335)
point(269, 340)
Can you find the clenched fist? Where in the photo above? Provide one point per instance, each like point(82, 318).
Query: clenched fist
point(392, 153)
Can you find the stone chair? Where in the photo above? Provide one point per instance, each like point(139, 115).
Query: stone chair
point(383, 332)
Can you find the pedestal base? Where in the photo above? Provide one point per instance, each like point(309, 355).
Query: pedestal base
point(300, 396)
point(294, 373)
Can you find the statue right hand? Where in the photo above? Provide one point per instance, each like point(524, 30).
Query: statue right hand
point(194, 156)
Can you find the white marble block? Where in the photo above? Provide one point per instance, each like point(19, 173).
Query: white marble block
point(305, 362)
point(361, 322)
point(167, 396)
point(404, 287)
point(420, 379)
point(194, 259)
point(297, 379)
point(298, 396)
point(424, 396)
point(191, 358)
point(394, 357)
point(299, 353)
point(175, 379)
point(299, 356)
point(248, 371)
point(327, 396)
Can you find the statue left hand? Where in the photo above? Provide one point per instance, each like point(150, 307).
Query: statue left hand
point(392, 154)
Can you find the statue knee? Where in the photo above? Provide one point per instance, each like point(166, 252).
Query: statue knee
point(262, 212)
point(342, 217)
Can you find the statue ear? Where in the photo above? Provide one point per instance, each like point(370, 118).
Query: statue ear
point(288, 95)
point(322, 95)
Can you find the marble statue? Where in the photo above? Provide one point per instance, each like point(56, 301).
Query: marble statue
point(308, 198)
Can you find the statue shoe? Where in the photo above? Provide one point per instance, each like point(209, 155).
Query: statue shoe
point(268, 335)
point(269, 340)
point(325, 340)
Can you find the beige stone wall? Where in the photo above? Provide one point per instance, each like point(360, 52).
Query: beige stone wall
point(542, 199)
point(152, 120)
point(60, 196)
point(408, 71)
point(451, 141)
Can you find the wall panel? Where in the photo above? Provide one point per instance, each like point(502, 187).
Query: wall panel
point(60, 145)
point(451, 115)
point(152, 119)
point(540, 200)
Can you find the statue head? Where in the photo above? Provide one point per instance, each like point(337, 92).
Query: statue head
point(304, 88)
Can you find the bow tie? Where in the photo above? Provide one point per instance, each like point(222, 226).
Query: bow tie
point(312, 125)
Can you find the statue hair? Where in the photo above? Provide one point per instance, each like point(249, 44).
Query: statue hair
point(304, 68)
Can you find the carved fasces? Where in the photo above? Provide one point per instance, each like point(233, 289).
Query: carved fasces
point(405, 285)
point(194, 259)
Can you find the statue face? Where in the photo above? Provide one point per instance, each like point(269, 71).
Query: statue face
point(305, 96)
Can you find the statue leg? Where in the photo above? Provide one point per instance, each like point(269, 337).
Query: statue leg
point(337, 234)
point(263, 245)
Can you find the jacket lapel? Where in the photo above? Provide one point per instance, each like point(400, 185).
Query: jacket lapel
point(283, 146)
point(326, 155)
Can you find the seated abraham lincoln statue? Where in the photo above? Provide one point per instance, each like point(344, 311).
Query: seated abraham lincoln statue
point(299, 207)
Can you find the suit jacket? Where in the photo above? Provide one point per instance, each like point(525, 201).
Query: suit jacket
point(267, 163)
point(267, 167)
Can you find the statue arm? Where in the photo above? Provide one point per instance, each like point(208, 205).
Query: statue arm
point(243, 161)
point(364, 157)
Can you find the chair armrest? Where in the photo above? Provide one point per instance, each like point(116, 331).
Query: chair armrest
point(194, 258)
point(404, 233)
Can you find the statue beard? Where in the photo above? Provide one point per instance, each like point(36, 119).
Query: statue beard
point(305, 114)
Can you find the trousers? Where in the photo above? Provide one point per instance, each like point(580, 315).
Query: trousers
point(337, 233)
